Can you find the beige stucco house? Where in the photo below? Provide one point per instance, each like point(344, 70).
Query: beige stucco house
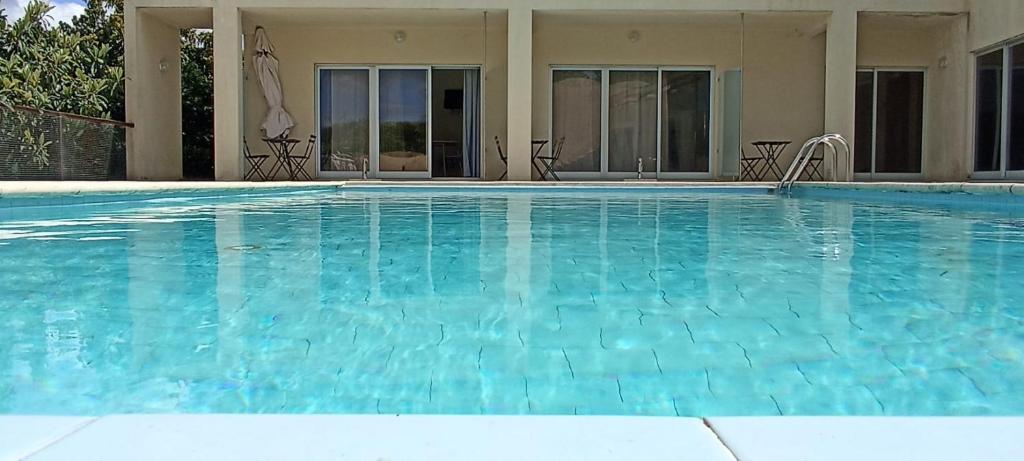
point(680, 88)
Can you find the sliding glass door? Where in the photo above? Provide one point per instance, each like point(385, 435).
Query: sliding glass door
point(889, 123)
point(380, 119)
point(618, 121)
point(999, 113)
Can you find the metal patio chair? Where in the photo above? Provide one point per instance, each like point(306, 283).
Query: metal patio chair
point(255, 163)
point(814, 167)
point(299, 161)
point(550, 160)
point(749, 170)
point(503, 157)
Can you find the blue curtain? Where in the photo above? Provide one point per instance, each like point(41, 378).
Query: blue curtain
point(471, 123)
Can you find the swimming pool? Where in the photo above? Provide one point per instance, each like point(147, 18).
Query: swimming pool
point(650, 302)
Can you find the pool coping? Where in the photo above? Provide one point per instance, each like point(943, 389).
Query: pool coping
point(46, 188)
point(314, 437)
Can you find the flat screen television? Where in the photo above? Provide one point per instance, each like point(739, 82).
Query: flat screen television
point(453, 99)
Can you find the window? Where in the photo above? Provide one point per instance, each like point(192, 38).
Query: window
point(999, 113)
point(889, 122)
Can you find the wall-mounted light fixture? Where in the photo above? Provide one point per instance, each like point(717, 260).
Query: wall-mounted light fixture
point(633, 36)
point(943, 62)
point(400, 36)
point(162, 65)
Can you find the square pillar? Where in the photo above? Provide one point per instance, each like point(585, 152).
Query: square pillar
point(227, 93)
point(841, 81)
point(520, 93)
point(152, 65)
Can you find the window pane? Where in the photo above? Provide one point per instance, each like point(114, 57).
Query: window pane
point(632, 120)
point(988, 125)
point(685, 121)
point(1016, 154)
point(344, 119)
point(864, 129)
point(576, 116)
point(900, 124)
point(403, 120)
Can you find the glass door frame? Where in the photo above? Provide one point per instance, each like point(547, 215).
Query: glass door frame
point(873, 175)
point(1006, 85)
point(656, 173)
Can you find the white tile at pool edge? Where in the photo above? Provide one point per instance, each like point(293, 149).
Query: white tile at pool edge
point(407, 437)
point(874, 438)
point(20, 436)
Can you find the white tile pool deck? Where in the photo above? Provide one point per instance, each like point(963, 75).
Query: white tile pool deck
point(414, 437)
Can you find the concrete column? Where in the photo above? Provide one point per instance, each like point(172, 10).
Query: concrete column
point(840, 79)
point(152, 97)
point(520, 93)
point(227, 93)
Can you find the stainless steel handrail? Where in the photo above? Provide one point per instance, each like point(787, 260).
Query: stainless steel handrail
point(803, 157)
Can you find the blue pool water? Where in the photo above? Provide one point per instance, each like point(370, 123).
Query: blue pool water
point(431, 301)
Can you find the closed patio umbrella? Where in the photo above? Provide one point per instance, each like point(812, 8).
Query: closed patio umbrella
point(277, 122)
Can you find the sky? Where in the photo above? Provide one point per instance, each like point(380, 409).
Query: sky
point(63, 10)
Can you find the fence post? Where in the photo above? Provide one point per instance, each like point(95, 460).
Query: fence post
point(60, 145)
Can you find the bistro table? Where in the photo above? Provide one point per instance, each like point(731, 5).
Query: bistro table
point(770, 152)
point(282, 148)
point(538, 147)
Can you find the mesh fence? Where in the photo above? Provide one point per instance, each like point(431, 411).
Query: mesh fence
point(45, 145)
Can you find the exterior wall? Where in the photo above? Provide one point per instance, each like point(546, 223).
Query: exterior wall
point(798, 79)
point(938, 47)
point(993, 21)
point(153, 97)
point(783, 84)
point(301, 48)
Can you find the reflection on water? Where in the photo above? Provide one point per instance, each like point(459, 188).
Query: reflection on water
point(554, 303)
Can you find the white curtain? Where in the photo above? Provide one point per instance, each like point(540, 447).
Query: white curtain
point(471, 123)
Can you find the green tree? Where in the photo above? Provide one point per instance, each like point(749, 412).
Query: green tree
point(55, 67)
point(197, 103)
point(103, 21)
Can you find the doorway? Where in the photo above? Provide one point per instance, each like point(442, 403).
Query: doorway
point(889, 131)
point(455, 122)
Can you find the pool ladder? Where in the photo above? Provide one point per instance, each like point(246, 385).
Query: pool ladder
point(796, 168)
